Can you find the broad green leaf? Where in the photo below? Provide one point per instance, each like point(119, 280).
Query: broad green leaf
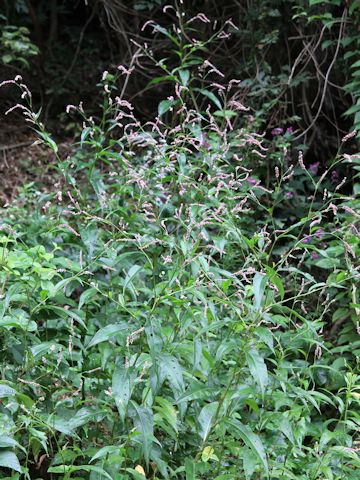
point(355, 4)
point(257, 369)
point(87, 295)
point(210, 96)
point(167, 411)
point(109, 449)
point(78, 468)
point(184, 76)
point(259, 284)
point(329, 2)
point(344, 452)
point(6, 391)
point(208, 454)
point(44, 348)
point(69, 421)
point(144, 424)
point(18, 319)
point(6, 442)
point(64, 313)
point(135, 474)
point(312, 396)
point(275, 279)
point(8, 459)
point(170, 369)
point(206, 418)
point(190, 468)
point(250, 462)
point(225, 114)
point(122, 385)
point(165, 105)
point(197, 392)
point(105, 333)
point(252, 441)
point(11, 294)
point(133, 271)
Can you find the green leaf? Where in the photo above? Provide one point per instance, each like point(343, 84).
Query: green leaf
point(353, 6)
point(6, 442)
point(259, 284)
point(109, 449)
point(7, 58)
point(48, 141)
point(78, 468)
point(197, 392)
point(190, 469)
point(345, 452)
point(122, 385)
point(144, 424)
point(184, 76)
point(87, 295)
point(133, 271)
point(44, 348)
point(165, 105)
point(225, 113)
point(105, 333)
point(206, 418)
point(69, 420)
point(165, 32)
point(251, 440)
point(355, 108)
point(64, 313)
point(275, 279)
point(136, 475)
point(208, 454)
point(170, 369)
point(329, 2)
point(257, 369)
point(165, 78)
point(6, 391)
point(8, 459)
point(167, 411)
point(210, 96)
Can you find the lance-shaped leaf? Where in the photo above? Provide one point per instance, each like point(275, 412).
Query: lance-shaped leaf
point(144, 424)
point(104, 334)
point(206, 418)
point(170, 369)
point(122, 385)
point(251, 440)
point(257, 369)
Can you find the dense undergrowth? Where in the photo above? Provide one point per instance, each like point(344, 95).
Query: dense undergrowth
point(184, 303)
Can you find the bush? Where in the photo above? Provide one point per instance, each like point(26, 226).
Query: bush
point(184, 303)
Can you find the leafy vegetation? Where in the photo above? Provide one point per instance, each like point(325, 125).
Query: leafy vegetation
point(184, 302)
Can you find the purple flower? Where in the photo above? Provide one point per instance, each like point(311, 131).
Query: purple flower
point(314, 167)
point(277, 131)
point(315, 255)
point(289, 194)
point(290, 130)
point(252, 180)
point(203, 142)
point(335, 177)
point(307, 239)
point(319, 233)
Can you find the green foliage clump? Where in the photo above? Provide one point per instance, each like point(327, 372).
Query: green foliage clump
point(16, 46)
